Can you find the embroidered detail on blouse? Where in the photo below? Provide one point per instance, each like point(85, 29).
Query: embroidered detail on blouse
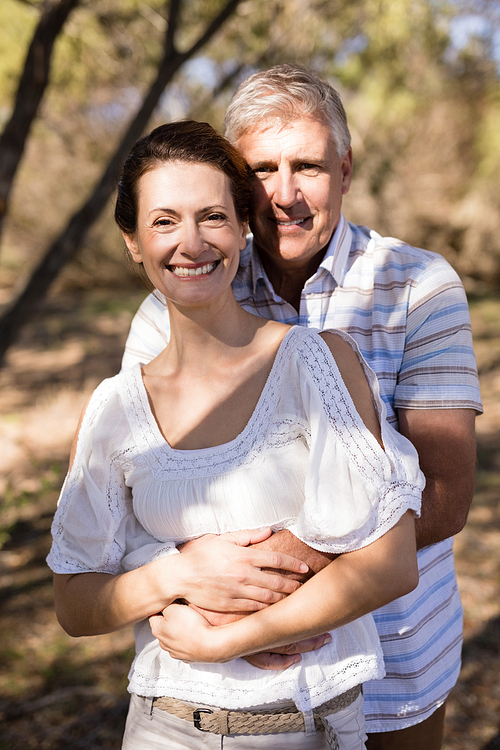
point(247, 447)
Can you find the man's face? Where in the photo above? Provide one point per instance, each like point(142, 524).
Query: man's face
point(298, 182)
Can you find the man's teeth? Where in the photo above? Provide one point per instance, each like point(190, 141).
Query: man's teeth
point(199, 271)
point(289, 223)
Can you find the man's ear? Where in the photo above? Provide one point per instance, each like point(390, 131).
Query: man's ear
point(132, 247)
point(243, 236)
point(346, 168)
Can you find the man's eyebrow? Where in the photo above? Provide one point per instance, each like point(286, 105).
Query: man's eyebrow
point(262, 163)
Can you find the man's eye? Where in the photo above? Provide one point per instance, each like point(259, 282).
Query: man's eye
point(306, 167)
point(261, 171)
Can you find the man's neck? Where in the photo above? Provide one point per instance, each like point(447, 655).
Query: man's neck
point(289, 281)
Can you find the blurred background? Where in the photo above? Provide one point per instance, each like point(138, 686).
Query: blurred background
point(80, 80)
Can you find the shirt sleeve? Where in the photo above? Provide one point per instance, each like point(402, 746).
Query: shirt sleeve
point(94, 527)
point(355, 490)
point(149, 332)
point(438, 370)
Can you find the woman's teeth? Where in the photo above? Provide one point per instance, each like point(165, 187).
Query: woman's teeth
point(199, 271)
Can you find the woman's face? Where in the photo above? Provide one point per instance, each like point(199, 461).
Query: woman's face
point(188, 236)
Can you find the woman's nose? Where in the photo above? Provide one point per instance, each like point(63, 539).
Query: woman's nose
point(192, 242)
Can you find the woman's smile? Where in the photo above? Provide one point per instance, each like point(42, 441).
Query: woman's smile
point(193, 271)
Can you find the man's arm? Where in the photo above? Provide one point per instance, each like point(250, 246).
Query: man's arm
point(149, 333)
point(446, 444)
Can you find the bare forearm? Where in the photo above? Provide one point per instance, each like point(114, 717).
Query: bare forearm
point(219, 573)
point(446, 446)
point(286, 542)
point(353, 585)
point(95, 603)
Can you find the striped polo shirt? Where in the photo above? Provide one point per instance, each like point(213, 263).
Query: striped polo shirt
point(407, 310)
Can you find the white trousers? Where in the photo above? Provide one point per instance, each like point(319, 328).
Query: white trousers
point(160, 730)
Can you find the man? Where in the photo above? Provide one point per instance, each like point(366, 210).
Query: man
point(407, 311)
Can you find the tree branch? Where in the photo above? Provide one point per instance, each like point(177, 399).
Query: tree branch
point(66, 246)
point(32, 84)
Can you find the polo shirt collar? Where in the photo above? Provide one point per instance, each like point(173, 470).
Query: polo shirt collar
point(334, 261)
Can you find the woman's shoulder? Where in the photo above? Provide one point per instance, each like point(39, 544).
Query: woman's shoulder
point(108, 400)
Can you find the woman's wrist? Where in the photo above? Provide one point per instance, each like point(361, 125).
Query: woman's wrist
point(160, 582)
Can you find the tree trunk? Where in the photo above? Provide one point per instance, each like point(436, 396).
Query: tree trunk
point(65, 247)
point(32, 85)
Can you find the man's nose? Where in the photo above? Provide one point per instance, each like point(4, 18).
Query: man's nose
point(287, 190)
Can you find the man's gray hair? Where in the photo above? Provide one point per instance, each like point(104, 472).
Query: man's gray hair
point(285, 93)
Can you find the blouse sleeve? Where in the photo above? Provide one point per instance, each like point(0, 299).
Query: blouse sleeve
point(95, 528)
point(355, 490)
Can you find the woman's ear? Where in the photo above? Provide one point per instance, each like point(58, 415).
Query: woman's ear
point(132, 247)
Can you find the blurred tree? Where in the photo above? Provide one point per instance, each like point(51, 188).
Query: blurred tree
point(73, 236)
point(32, 85)
point(424, 111)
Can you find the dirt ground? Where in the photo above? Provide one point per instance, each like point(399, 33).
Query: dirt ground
point(61, 693)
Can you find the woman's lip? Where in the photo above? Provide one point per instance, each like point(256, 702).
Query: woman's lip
point(192, 271)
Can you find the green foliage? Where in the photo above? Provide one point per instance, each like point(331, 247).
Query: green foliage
point(17, 23)
point(425, 118)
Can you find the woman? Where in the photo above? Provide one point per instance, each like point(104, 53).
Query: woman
point(240, 423)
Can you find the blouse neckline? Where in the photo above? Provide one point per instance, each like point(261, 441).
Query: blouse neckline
point(260, 405)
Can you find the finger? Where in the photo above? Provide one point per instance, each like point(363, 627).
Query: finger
point(305, 646)
point(266, 660)
point(270, 584)
point(274, 591)
point(245, 537)
point(278, 561)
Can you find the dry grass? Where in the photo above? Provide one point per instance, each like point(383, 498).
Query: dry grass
point(60, 693)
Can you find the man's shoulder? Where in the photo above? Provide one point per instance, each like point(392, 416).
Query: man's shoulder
point(368, 240)
point(394, 256)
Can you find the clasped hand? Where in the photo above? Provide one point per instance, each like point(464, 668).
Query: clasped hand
point(224, 574)
point(226, 580)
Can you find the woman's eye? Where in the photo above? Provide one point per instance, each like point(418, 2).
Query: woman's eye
point(216, 217)
point(162, 222)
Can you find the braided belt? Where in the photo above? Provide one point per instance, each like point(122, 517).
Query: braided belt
point(276, 721)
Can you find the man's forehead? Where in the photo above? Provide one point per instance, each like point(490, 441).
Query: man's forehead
point(303, 135)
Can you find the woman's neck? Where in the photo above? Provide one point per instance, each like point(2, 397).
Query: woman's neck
point(201, 337)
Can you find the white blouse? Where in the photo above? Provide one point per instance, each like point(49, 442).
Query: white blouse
point(304, 462)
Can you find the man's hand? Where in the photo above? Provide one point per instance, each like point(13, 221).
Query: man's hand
point(285, 656)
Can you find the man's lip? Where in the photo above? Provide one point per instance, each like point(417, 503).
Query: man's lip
point(289, 221)
point(284, 223)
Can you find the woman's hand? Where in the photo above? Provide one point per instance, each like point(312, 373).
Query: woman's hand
point(184, 634)
point(276, 659)
point(223, 574)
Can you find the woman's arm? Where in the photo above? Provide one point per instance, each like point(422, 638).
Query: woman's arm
point(352, 585)
point(218, 573)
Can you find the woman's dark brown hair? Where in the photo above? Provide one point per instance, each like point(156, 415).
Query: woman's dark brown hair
point(185, 141)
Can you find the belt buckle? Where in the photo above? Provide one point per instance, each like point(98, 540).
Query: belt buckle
point(197, 718)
